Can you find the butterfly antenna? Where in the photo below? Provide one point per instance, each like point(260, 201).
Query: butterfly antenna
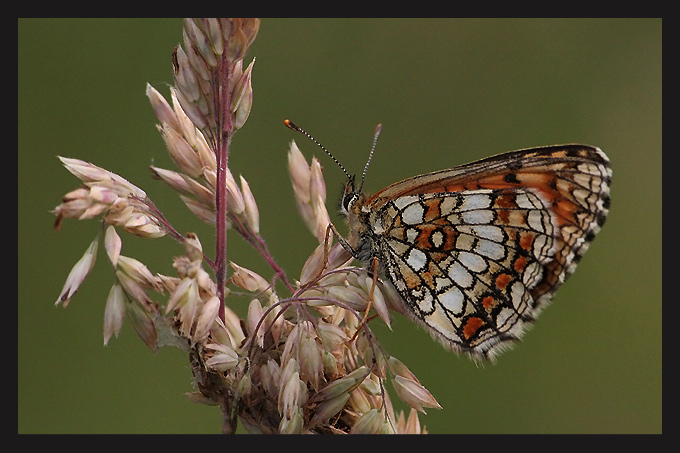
point(370, 155)
point(293, 126)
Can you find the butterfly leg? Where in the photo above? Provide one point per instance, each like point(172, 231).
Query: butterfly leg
point(371, 292)
point(374, 268)
point(343, 242)
point(328, 241)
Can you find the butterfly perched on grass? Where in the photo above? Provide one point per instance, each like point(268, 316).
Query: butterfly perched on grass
point(477, 251)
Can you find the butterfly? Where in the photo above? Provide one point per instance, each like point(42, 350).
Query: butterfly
point(477, 251)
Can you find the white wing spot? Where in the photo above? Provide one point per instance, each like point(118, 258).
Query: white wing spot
point(416, 259)
point(413, 214)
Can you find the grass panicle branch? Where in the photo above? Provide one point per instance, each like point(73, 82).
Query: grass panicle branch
point(302, 360)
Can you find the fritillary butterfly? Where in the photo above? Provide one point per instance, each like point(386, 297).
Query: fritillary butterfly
point(477, 251)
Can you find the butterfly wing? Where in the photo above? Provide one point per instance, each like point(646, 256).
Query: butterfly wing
point(477, 251)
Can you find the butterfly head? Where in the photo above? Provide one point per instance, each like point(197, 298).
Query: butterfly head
point(351, 194)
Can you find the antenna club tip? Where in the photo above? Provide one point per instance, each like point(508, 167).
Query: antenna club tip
point(289, 124)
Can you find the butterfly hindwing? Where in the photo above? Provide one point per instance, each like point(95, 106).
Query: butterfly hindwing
point(477, 251)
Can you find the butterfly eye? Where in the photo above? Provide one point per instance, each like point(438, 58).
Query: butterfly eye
point(347, 200)
point(348, 196)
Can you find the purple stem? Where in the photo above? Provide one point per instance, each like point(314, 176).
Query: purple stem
point(225, 129)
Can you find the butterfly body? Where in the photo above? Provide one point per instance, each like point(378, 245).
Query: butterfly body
point(477, 251)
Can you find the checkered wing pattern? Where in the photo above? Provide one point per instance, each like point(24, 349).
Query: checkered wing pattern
point(477, 251)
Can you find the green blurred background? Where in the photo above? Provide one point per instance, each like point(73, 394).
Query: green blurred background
point(447, 92)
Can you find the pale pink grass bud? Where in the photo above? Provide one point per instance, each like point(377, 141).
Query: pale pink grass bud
point(77, 204)
point(199, 398)
point(310, 191)
point(143, 324)
point(179, 292)
point(203, 194)
point(330, 365)
point(291, 388)
point(206, 285)
point(292, 425)
point(270, 376)
point(235, 203)
point(136, 270)
point(351, 296)
point(112, 244)
point(410, 425)
point(293, 396)
point(185, 299)
point(77, 275)
point(321, 218)
point(114, 313)
point(122, 214)
point(342, 386)
point(252, 213)
point(351, 321)
point(90, 173)
point(133, 288)
point(359, 400)
point(311, 361)
point(224, 358)
point(212, 28)
point(103, 195)
point(314, 265)
point(369, 354)
point(244, 386)
point(249, 280)
point(371, 385)
point(171, 178)
point(371, 422)
point(300, 173)
point(328, 409)
point(239, 34)
point(181, 152)
point(339, 257)
point(210, 176)
point(231, 336)
point(205, 154)
point(84, 203)
point(168, 283)
point(187, 87)
point(206, 318)
point(317, 185)
point(378, 301)
point(200, 210)
point(242, 98)
point(291, 346)
point(232, 325)
point(254, 316)
point(317, 195)
point(186, 127)
point(196, 41)
point(393, 300)
point(397, 368)
point(162, 109)
point(193, 248)
point(191, 110)
point(414, 394)
point(331, 335)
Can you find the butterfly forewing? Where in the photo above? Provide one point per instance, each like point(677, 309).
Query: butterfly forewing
point(478, 250)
